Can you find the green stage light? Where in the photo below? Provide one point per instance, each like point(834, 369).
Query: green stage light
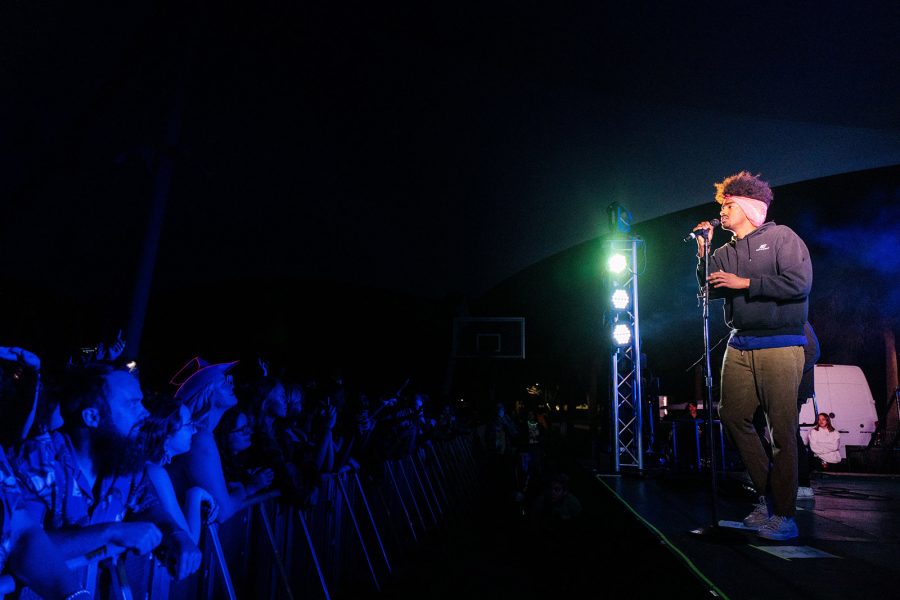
point(617, 263)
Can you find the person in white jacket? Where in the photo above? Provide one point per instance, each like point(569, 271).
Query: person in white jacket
point(825, 442)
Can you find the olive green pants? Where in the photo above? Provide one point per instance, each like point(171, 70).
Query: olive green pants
point(767, 378)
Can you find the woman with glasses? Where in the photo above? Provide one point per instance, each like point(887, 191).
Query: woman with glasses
point(233, 436)
point(166, 433)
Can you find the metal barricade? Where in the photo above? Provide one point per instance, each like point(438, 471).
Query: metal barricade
point(276, 550)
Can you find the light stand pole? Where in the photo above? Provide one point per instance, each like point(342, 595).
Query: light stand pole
point(714, 531)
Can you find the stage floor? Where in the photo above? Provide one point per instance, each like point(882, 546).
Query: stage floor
point(849, 544)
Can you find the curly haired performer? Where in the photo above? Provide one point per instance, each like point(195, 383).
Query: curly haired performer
point(764, 274)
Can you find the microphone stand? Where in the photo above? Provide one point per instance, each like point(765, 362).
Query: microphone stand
point(713, 532)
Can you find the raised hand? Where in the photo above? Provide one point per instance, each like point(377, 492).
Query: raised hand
point(331, 416)
point(113, 351)
point(261, 479)
point(15, 354)
point(117, 347)
point(701, 238)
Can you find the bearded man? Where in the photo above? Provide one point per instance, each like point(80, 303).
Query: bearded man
point(86, 482)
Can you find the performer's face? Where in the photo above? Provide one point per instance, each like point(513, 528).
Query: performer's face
point(732, 215)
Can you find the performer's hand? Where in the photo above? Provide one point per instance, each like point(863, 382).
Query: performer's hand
point(701, 239)
point(728, 280)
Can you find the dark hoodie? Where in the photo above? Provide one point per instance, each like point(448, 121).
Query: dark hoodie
point(777, 263)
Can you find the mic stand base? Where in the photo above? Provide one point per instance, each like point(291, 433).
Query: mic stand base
point(717, 534)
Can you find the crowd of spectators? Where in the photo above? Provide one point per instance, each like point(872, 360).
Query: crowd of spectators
point(91, 458)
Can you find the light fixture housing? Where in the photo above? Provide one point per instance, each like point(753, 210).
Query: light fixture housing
point(620, 299)
point(617, 263)
point(622, 334)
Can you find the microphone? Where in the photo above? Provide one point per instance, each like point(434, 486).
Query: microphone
point(696, 232)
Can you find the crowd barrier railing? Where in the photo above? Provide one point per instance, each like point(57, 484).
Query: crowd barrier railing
point(359, 528)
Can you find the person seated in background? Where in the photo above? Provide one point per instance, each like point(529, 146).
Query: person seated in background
point(167, 433)
point(86, 482)
point(825, 443)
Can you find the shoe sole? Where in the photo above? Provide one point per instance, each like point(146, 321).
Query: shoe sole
point(778, 537)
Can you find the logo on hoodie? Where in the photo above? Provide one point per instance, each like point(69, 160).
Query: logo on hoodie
point(762, 247)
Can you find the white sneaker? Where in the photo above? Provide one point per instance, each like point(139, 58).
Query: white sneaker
point(805, 493)
point(759, 516)
point(779, 528)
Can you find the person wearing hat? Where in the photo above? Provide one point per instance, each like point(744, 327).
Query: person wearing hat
point(764, 274)
point(208, 392)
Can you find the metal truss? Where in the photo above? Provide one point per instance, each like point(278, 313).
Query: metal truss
point(626, 371)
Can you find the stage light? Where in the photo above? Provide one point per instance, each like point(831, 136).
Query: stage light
point(622, 334)
point(621, 324)
point(621, 299)
point(617, 263)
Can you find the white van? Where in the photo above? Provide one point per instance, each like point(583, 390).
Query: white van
point(843, 392)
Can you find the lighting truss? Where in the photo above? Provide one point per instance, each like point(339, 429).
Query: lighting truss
point(626, 360)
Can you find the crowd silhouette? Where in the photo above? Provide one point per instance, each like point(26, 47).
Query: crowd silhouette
point(93, 461)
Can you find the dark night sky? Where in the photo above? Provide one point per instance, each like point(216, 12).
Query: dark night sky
point(433, 149)
point(427, 148)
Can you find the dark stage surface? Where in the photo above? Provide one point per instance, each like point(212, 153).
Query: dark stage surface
point(635, 541)
point(854, 519)
point(491, 551)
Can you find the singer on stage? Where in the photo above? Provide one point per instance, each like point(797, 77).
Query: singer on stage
point(764, 274)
